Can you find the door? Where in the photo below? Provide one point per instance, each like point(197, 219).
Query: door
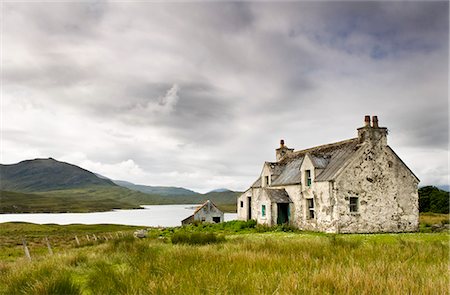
point(249, 213)
point(282, 213)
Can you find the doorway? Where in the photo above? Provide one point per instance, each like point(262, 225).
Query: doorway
point(249, 212)
point(283, 213)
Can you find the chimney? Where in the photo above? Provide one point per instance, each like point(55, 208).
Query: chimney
point(372, 134)
point(367, 121)
point(282, 151)
point(374, 121)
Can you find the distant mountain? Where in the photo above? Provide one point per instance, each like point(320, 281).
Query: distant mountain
point(157, 190)
point(220, 190)
point(46, 175)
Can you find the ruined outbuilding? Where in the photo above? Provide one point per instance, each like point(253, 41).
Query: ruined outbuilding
point(359, 185)
point(207, 212)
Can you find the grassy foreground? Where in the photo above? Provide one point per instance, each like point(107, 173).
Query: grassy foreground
point(244, 260)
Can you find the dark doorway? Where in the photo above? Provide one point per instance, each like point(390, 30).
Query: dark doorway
point(283, 213)
point(216, 219)
point(249, 208)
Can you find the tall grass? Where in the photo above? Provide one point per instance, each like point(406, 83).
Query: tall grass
point(266, 263)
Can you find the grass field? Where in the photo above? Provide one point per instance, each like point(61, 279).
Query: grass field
point(244, 260)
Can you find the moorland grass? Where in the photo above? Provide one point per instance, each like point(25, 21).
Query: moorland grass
point(247, 262)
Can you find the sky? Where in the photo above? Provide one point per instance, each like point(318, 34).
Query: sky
point(198, 95)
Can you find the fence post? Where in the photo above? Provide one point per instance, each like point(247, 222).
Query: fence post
point(117, 235)
point(95, 237)
point(76, 240)
point(106, 238)
point(50, 251)
point(25, 249)
point(87, 238)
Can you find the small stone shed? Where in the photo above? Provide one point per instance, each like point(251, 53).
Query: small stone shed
point(359, 185)
point(207, 212)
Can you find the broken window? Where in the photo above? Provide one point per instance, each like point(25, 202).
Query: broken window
point(263, 210)
point(308, 177)
point(242, 204)
point(353, 204)
point(310, 203)
point(267, 180)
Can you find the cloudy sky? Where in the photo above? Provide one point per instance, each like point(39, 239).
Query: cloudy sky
point(199, 94)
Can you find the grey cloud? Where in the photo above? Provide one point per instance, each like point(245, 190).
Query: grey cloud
point(247, 74)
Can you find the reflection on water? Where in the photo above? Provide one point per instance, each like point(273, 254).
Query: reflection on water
point(151, 215)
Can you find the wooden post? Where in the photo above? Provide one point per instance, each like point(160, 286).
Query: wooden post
point(87, 238)
point(106, 238)
point(25, 249)
point(110, 236)
point(95, 237)
point(76, 240)
point(117, 234)
point(50, 251)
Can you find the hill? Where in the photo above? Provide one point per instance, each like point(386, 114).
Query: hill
point(47, 185)
point(159, 190)
point(45, 175)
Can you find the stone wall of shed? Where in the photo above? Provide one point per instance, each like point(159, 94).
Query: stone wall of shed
point(386, 191)
point(208, 214)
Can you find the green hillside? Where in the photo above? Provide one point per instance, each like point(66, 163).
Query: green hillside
point(158, 190)
point(15, 202)
point(100, 198)
point(45, 175)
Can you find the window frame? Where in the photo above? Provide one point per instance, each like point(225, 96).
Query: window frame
point(353, 206)
point(308, 178)
point(311, 208)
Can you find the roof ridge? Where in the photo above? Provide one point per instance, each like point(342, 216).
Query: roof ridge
point(324, 146)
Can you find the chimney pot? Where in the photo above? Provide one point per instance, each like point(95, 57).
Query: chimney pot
point(375, 121)
point(367, 121)
point(282, 143)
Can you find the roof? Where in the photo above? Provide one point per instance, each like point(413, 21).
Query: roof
point(257, 183)
point(278, 195)
point(328, 158)
point(290, 174)
point(203, 205)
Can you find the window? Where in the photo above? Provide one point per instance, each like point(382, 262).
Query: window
point(310, 203)
point(263, 210)
point(242, 204)
point(267, 180)
point(353, 204)
point(216, 219)
point(203, 219)
point(308, 177)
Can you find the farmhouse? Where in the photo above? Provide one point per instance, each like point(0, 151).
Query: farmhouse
point(207, 212)
point(358, 185)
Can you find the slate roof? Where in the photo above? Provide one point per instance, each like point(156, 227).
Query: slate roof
point(278, 195)
point(291, 173)
point(257, 183)
point(329, 158)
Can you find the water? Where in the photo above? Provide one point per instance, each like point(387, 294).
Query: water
point(151, 215)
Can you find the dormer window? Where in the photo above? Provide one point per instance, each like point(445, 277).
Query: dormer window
point(266, 180)
point(308, 177)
